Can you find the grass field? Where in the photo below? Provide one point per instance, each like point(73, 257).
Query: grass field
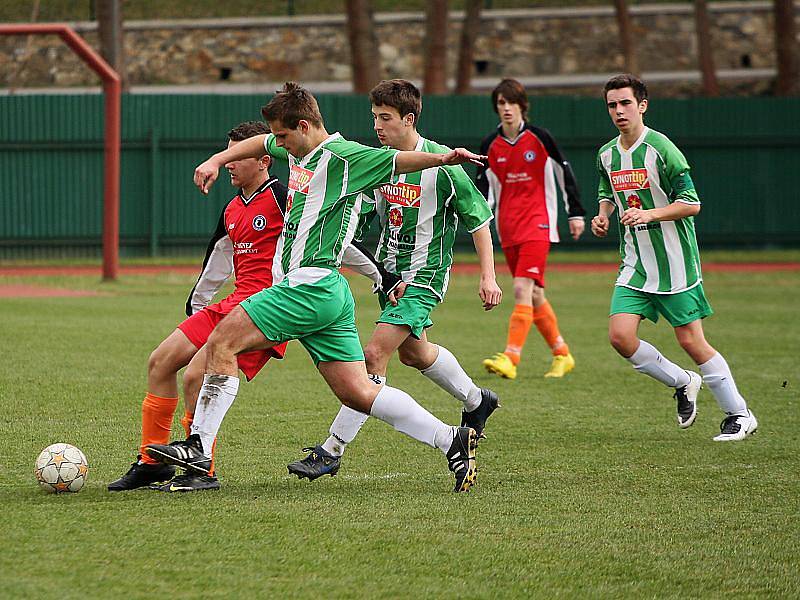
point(587, 488)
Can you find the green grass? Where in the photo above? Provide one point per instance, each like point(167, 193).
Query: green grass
point(587, 488)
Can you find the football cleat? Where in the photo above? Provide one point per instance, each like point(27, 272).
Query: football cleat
point(737, 427)
point(476, 419)
point(141, 475)
point(188, 482)
point(461, 458)
point(562, 364)
point(316, 464)
point(186, 453)
point(687, 400)
point(500, 364)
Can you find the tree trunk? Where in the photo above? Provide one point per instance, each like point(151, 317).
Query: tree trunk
point(364, 56)
point(626, 36)
point(110, 32)
point(436, 48)
point(469, 31)
point(786, 48)
point(704, 53)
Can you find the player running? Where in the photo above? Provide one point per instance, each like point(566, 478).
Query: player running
point(418, 213)
point(525, 167)
point(646, 177)
point(311, 300)
point(244, 244)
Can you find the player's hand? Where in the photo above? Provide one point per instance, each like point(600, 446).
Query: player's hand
point(600, 226)
point(576, 228)
point(397, 293)
point(205, 175)
point(462, 155)
point(490, 293)
point(635, 216)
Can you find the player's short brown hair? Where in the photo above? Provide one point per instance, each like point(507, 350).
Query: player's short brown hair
point(626, 80)
point(292, 104)
point(400, 94)
point(246, 130)
point(513, 91)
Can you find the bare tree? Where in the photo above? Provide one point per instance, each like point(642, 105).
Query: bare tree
point(436, 47)
point(466, 50)
point(626, 36)
point(364, 56)
point(704, 52)
point(110, 32)
point(16, 68)
point(786, 48)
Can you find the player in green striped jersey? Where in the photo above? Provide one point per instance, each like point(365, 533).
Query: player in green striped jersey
point(310, 300)
point(419, 214)
point(645, 178)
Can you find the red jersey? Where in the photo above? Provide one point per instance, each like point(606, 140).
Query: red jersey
point(244, 244)
point(522, 182)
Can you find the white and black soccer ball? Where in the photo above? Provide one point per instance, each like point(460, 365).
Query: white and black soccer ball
point(61, 468)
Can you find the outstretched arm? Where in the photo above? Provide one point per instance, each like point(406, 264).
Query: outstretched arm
point(410, 161)
point(206, 173)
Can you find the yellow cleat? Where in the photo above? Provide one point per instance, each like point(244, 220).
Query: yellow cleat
point(501, 364)
point(561, 366)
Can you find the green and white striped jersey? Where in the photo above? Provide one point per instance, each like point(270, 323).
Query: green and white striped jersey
point(419, 214)
point(660, 258)
point(324, 202)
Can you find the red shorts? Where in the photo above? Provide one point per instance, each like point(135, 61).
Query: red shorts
point(528, 260)
point(200, 325)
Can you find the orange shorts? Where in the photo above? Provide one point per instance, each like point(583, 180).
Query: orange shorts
point(528, 259)
point(200, 325)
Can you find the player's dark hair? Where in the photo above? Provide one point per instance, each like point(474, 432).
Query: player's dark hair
point(292, 104)
point(619, 82)
point(513, 91)
point(246, 130)
point(400, 94)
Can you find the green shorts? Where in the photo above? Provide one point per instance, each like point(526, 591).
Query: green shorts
point(413, 309)
point(320, 315)
point(679, 309)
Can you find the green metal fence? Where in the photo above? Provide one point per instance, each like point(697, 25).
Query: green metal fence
point(743, 153)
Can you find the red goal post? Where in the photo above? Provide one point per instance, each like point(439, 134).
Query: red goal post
point(112, 89)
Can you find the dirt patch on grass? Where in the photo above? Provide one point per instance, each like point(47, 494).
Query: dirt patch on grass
point(36, 291)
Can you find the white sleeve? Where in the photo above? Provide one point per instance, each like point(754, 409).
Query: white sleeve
point(217, 268)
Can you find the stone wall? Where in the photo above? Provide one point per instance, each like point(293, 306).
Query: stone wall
point(515, 43)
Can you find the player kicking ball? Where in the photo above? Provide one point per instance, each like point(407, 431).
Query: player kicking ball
point(327, 178)
point(418, 213)
point(244, 244)
point(646, 178)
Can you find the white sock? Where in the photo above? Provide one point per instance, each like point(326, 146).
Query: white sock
point(717, 376)
point(648, 360)
point(343, 430)
point(448, 375)
point(215, 398)
point(401, 411)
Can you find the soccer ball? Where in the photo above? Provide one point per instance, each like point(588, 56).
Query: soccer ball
point(61, 468)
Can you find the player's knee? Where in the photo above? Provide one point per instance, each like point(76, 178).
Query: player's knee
point(373, 357)
point(411, 359)
point(523, 288)
point(159, 363)
point(623, 342)
point(193, 377)
point(538, 295)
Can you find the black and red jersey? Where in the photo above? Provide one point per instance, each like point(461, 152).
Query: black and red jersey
point(522, 181)
point(244, 244)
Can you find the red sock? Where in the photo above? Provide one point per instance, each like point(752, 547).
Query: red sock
point(157, 413)
point(518, 327)
point(545, 320)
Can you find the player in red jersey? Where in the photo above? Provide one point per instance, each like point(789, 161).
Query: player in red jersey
point(244, 244)
point(525, 169)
